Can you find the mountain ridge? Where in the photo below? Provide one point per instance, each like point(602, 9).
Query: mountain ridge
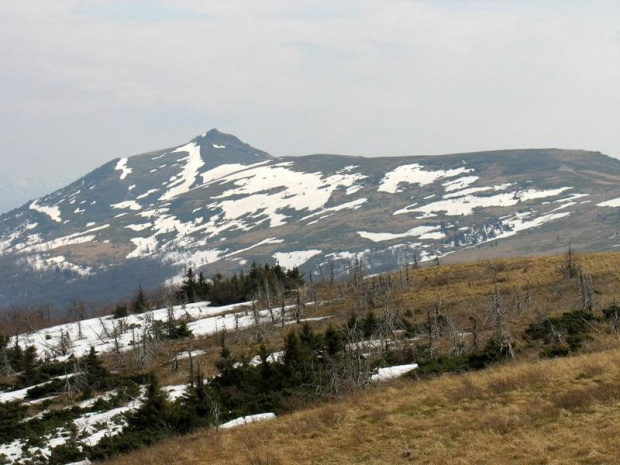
point(216, 203)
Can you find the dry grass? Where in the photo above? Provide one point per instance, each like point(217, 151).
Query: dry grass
point(516, 413)
point(530, 412)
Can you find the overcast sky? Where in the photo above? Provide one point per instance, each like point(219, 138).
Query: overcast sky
point(83, 82)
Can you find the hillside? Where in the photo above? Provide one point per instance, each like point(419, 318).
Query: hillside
point(552, 411)
point(218, 204)
point(533, 342)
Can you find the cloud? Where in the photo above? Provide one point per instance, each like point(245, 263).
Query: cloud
point(135, 11)
point(83, 82)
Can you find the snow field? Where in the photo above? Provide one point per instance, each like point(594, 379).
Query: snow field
point(415, 174)
point(99, 332)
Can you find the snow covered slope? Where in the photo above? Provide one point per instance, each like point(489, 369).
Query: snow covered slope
point(216, 203)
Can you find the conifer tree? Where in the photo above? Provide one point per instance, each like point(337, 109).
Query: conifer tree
point(29, 367)
point(5, 362)
point(153, 414)
point(298, 360)
point(120, 311)
point(16, 355)
point(97, 375)
point(370, 324)
point(334, 342)
point(139, 303)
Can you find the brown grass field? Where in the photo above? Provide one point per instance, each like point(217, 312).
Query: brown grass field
point(525, 411)
point(461, 291)
point(549, 412)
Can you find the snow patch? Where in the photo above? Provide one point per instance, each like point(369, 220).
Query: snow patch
point(397, 371)
point(194, 258)
point(52, 212)
point(423, 232)
point(295, 258)
point(465, 205)
point(139, 227)
point(249, 419)
point(613, 203)
point(72, 239)
point(147, 193)
point(186, 354)
point(128, 204)
point(224, 170)
point(460, 183)
point(37, 262)
point(145, 246)
point(474, 190)
point(270, 240)
point(266, 190)
point(353, 205)
point(175, 392)
point(415, 174)
point(122, 166)
point(188, 176)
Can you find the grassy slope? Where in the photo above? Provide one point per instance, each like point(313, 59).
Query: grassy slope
point(553, 411)
point(527, 411)
point(462, 291)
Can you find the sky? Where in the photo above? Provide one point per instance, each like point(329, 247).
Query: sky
point(84, 82)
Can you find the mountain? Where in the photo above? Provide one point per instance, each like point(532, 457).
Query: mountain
point(16, 190)
point(217, 204)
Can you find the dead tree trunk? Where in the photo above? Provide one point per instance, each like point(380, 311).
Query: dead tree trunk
point(586, 292)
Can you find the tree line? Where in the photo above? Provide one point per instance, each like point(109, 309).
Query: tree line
point(225, 290)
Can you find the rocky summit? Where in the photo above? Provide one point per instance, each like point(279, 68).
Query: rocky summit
point(218, 204)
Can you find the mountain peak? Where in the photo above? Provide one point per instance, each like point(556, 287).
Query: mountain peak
point(227, 148)
point(214, 133)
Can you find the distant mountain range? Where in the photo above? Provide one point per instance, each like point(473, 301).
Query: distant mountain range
point(217, 204)
point(16, 190)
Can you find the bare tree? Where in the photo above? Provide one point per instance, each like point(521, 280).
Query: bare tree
point(570, 267)
point(614, 317)
point(350, 369)
point(457, 346)
point(65, 343)
point(430, 333)
point(146, 346)
point(268, 300)
point(388, 324)
point(498, 316)
point(76, 381)
point(77, 311)
point(474, 331)
point(281, 298)
point(237, 327)
point(586, 293)
point(257, 321)
point(300, 304)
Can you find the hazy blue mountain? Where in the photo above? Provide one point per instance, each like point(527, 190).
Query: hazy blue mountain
point(17, 190)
